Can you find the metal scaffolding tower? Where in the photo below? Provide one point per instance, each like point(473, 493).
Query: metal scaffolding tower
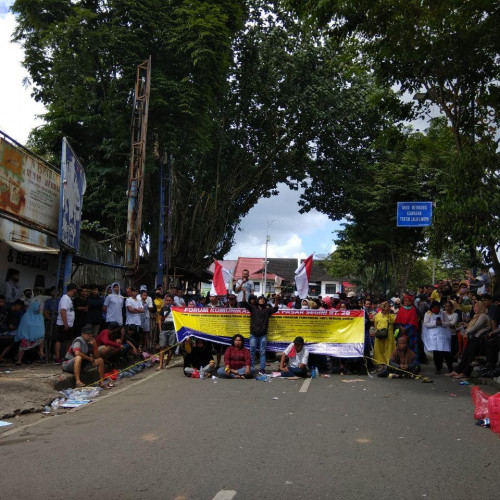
point(139, 127)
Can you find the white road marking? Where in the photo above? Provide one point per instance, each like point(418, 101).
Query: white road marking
point(225, 495)
point(101, 398)
point(305, 385)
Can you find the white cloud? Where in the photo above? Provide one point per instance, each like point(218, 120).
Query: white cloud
point(292, 234)
point(18, 109)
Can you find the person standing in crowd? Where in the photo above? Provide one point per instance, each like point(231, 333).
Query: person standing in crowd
point(31, 332)
point(3, 316)
point(168, 338)
point(244, 285)
point(113, 305)
point(297, 356)
point(11, 289)
point(236, 360)
point(65, 320)
point(14, 315)
point(259, 322)
point(95, 304)
point(477, 329)
point(384, 334)
point(453, 318)
point(148, 306)
point(407, 322)
point(158, 303)
point(50, 315)
point(81, 306)
point(369, 322)
point(134, 310)
point(436, 335)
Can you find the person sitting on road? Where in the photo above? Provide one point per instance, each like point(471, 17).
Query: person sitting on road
point(83, 354)
point(403, 358)
point(297, 356)
point(236, 360)
point(109, 341)
point(199, 357)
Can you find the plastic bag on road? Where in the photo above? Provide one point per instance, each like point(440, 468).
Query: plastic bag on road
point(480, 400)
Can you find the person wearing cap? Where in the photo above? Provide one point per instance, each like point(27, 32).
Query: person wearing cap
point(83, 354)
point(65, 319)
point(297, 356)
point(149, 308)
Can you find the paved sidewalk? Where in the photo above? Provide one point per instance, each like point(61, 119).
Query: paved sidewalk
point(28, 388)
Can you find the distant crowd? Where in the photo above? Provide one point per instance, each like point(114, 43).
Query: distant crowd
point(92, 326)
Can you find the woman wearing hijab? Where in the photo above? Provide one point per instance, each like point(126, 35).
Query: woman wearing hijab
point(384, 335)
point(407, 321)
point(476, 329)
point(403, 358)
point(31, 332)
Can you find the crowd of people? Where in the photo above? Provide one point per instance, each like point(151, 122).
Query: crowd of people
point(457, 321)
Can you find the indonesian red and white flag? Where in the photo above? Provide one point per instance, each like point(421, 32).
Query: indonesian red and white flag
point(302, 274)
point(218, 285)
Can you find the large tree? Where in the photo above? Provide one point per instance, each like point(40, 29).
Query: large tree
point(446, 53)
point(241, 99)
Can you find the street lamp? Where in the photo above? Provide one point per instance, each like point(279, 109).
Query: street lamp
point(268, 239)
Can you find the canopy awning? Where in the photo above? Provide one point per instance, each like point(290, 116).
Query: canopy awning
point(29, 247)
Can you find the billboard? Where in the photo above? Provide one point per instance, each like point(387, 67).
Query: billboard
point(29, 189)
point(73, 185)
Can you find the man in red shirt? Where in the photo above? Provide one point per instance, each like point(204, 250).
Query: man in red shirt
point(108, 341)
point(236, 360)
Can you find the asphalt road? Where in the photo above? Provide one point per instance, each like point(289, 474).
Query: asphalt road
point(171, 437)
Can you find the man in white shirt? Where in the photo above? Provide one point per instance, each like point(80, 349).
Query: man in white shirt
point(298, 357)
point(244, 284)
point(134, 310)
point(65, 319)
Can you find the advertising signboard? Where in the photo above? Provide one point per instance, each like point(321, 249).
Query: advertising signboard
point(73, 185)
point(29, 188)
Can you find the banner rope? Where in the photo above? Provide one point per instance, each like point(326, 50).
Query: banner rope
point(420, 377)
point(131, 366)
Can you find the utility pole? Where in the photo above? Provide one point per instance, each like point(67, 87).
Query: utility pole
point(137, 169)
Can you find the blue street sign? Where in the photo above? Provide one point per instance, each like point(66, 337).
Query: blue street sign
point(414, 213)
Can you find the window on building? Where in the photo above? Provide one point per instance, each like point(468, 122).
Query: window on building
point(314, 289)
point(330, 288)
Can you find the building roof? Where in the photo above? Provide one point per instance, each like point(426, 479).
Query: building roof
point(255, 266)
point(281, 267)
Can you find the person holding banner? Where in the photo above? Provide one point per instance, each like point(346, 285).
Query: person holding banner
point(236, 360)
point(384, 335)
point(259, 322)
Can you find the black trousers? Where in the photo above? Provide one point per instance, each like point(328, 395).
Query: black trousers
point(440, 356)
point(471, 350)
